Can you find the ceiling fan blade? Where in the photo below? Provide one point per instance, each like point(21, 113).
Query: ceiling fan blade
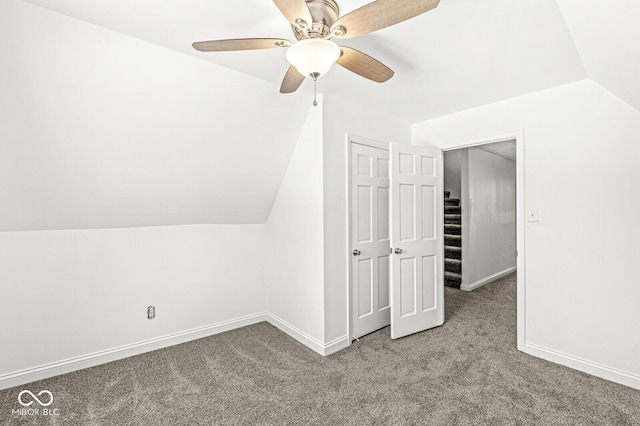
point(293, 10)
point(292, 80)
point(240, 44)
point(380, 14)
point(364, 65)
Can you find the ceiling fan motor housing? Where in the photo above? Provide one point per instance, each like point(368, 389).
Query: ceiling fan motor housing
point(323, 13)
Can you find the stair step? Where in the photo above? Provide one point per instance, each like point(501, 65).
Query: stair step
point(454, 219)
point(453, 240)
point(447, 194)
point(453, 265)
point(452, 279)
point(452, 229)
point(452, 209)
point(452, 252)
point(452, 201)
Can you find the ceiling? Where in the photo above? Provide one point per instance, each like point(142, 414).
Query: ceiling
point(109, 118)
point(607, 36)
point(504, 149)
point(463, 54)
point(102, 130)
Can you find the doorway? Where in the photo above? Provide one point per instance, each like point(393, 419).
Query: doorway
point(518, 136)
point(395, 266)
point(480, 214)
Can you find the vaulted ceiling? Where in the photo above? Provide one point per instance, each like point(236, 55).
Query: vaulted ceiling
point(111, 118)
point(463, 54)
point(607, 37)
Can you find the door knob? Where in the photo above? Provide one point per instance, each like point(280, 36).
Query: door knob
point(356, 252)
point(398, 250)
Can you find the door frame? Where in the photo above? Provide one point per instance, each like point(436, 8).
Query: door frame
point(360, 140)
point(518, 135)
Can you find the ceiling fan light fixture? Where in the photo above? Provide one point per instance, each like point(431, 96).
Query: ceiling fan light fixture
point(313, 56)
point(314, 23)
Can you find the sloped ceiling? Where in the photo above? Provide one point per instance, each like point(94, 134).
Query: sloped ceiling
point(463, 54)
point(111, 119)
point(607, 36)
point(101, 130)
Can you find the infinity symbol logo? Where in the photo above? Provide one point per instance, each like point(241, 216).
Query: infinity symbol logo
point(26, 404)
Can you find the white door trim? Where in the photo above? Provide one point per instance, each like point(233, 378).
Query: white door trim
point(361, 140)
point(518, 135)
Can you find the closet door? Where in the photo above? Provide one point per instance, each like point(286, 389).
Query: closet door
point(369, 239)
point(416, 190)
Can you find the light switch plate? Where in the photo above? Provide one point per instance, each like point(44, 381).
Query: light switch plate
point(533, 215)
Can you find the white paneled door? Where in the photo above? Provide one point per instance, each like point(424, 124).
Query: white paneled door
point(369, 239)
point(396, 239)
point(416, 296)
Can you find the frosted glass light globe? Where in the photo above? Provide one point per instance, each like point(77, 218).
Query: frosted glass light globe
point(313, 55)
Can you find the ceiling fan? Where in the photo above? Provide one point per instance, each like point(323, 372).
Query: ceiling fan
point(314, 24)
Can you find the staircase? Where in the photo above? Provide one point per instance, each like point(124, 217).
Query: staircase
point(452, 241)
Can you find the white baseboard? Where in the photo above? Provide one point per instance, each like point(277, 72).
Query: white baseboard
point(487, 280)
point(40, 372)
point(323, 349)
point(336, 345)
point(73, 364)
point(583, 365)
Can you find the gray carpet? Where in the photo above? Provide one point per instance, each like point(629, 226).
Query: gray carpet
point(467, 372)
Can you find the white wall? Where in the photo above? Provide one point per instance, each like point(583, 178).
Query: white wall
point(452, 173)
point(100, 130)
point(294, 274)
point(580, 155)
point(489, 237)
point(342, 118)
point(68, 294)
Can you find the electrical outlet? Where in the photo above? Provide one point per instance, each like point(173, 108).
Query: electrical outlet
point(151, 312)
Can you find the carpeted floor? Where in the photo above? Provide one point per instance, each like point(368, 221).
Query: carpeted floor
point(466, 372)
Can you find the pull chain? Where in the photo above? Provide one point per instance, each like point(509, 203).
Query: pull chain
point(315, 90)
point(315, 76)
